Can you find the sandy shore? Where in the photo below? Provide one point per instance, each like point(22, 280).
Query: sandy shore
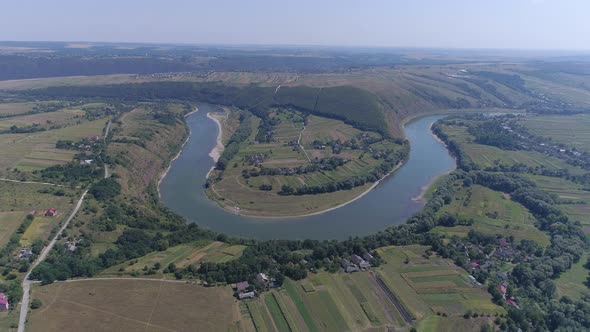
point(218, 148)
point(163, 175)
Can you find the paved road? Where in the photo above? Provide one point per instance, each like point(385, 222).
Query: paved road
point(106, 133)
point(24, 308)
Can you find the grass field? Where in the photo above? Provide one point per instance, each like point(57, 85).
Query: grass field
point(181, 255)
point(427, 286)
point(66, 117)
point(19, 199)
point(243, 195)
point(133, 305)
point(493, 213)
point(37, 150)
point(488, 156)
point(569, 130)
point(568, 192)
point(9, 223)
point(571, 282)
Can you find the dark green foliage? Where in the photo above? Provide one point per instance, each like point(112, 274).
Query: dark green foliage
point(36, 304)
point(105, 189)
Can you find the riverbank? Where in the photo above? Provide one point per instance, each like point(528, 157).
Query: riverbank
point(217, 150)
point(163, 175)
point(424, 189)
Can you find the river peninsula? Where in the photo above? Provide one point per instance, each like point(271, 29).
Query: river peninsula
point(392, 201)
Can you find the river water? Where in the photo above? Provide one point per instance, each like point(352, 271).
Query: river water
point(394, 200)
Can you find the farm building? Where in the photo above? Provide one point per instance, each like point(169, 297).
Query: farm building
point(242, 286)
point(368, 257)
point(4, 306)
point(70, 246)
point(247, 295)
point(262, 278)
point(51, 212)
point(25, 253)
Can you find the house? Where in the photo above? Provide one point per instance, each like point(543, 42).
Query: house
point(51, 212)
point(4, 306)
point(25, 254)
point(364, 265)
point(474, 264)
point(356, 259)
point(94, 138)
point(502, 289)
point(70, 246)
point(86, 162)
point(504, 243)
point(368, 257)
point(247, 295)
point(351, 268)
point(242, 286)
point(262, 278)
point(344, 263)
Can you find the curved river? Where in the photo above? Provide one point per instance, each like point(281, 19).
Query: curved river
point(390, 203)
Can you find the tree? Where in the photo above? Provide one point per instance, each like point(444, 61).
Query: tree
point(36, 304)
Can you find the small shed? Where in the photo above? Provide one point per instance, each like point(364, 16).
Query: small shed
point(51, 212)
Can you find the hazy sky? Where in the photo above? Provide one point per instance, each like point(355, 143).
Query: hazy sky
point(537, 24)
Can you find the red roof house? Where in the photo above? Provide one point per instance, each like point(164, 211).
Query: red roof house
point(504, 242)
point(3, 302)
point(51, 212)
point(474, 264)
point(502, 289)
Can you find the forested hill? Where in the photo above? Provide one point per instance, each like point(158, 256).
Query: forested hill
point(352, 105)
point(14, 67)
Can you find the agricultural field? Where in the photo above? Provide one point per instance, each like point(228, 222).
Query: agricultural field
point(355, 302)
point(181, 255)
point(492, 213)
point(570, 130)
point(489, 156)
point(62, 118)
point(574, 199)
point(19, 199)
point(324, 302)
point(133, 305)
point(33, 151)
point(296, 143)
point(9, 223)
point(427, 285)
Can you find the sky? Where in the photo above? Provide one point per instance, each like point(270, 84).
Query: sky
point(505, 24)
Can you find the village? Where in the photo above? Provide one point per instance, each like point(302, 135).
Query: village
point(495, 260)
point(244, 290)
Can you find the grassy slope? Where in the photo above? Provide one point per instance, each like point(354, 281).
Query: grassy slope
point(569, 130)
point(481, 203)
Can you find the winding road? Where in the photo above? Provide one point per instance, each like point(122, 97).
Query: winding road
point(24, 307)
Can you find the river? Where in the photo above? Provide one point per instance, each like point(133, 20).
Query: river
point(394, 200)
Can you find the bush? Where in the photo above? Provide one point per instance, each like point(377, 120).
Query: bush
point(36, 304)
